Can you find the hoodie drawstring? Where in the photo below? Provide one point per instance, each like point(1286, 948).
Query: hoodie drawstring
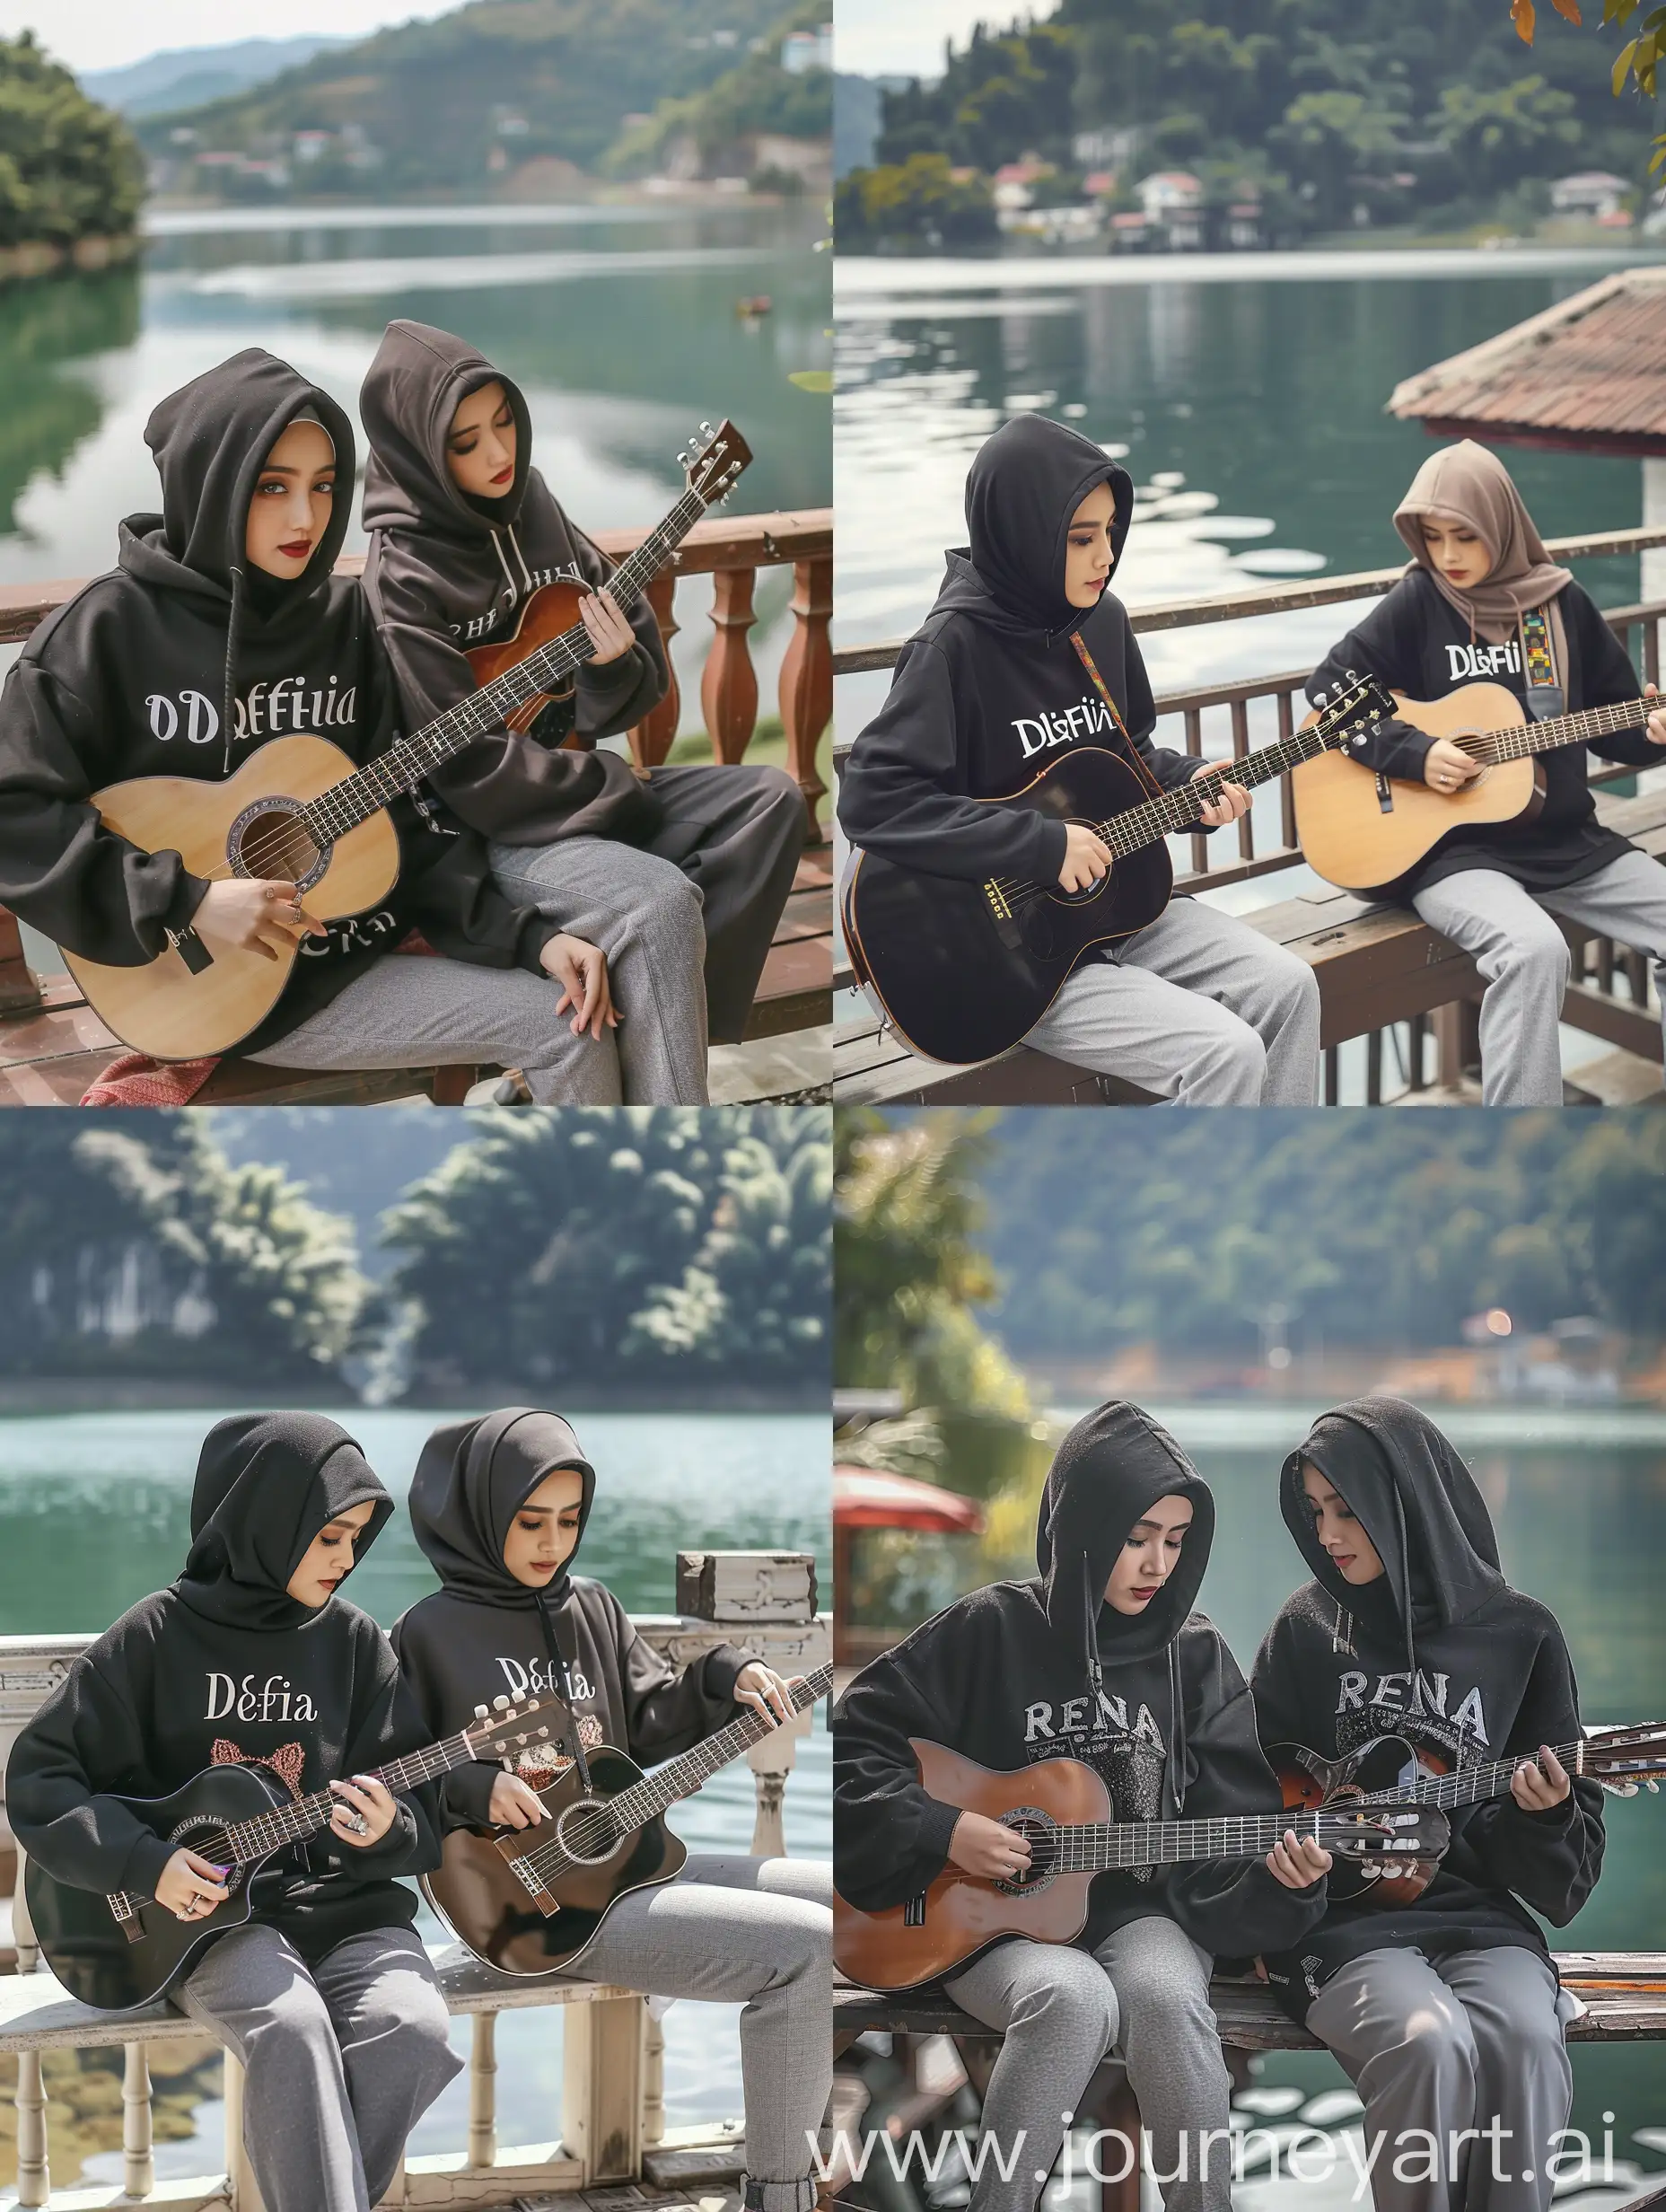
point(497, 547)
point(521, 556)
point(1090, 1618)
point(228, 687)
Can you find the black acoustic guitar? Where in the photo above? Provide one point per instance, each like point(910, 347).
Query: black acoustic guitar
point(528, 1899)
point(122, 1950)
point(964, 972)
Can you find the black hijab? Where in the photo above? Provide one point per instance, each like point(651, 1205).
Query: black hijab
point(1021, 490)
point(471, 1481)
point(267, 1483)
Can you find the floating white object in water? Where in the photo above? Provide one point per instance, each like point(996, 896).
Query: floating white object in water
point(1168, 479)
point(1270, 2101)
point(1027, 402)
point(1115, 448)
point(1276, 561)
point(1178, 504)
point(1330, 2106)
point(1075, 410)
point(1238, 526)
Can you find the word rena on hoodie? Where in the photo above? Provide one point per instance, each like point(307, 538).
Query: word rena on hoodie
point(1403, 1693)
point(1088, 719)
point(477, 625)
point(1464, 663)
point(1112, 1719)
point(286, 705)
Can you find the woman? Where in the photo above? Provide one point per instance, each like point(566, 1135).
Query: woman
point(1446, 2013)
point(692, 867)
point(1483, 600)
point(1100, 1658)
point(1027, 649)
point(224, 625)
point(325, 1996)
point(499, 1506)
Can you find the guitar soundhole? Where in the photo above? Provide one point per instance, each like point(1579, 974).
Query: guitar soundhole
point(586, 1833)
point(271, 841)
point(1039, 1832)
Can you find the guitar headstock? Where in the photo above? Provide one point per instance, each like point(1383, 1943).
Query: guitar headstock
point(1380, 1831)
point(504, 1729)
point(714, 460)
point(1624, 1760)
point(1353, 709)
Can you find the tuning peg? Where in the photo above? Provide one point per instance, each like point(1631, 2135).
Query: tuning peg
point(706, 430)
point(1653, 1788)
point(501, 1704)
point(682, 460)
point(481, 1712)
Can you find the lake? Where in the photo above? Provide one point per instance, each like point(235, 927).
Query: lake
point(94, 1513)
point(1247, 393)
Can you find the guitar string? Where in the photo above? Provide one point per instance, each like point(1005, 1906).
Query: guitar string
point(1104, 1847)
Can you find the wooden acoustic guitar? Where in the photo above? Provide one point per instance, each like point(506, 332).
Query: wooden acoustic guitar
point(1367, 832)
point(298, 810)
point(1393, 1771)
point(965, 971)
point(1063, 1810)
point(528, 1900)
point(118, 1951)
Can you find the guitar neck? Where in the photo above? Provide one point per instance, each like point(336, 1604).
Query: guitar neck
point(1559, 730)
point(1174, 811)
point(679, 1777)
point(376, 785)
point(1470, 1785)
point(1101, 1847)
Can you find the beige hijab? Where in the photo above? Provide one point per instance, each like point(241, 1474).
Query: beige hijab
point(1468, 483)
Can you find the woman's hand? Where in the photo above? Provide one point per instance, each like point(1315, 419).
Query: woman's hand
point(1656, 724)
point(984, 1847)
point(582, 971)
point(1231, 800)
point(1297, 1864)
point(1087, 858)
point(1448, 768)
point(610, 634)
point(1538, 1784)
point(515, 1804)
point(191, 1887)
point(366, 1812)
point(762, 1689)
point(254, 917)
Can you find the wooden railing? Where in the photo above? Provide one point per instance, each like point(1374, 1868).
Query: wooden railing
point(611, 2123)
point(1276, 702)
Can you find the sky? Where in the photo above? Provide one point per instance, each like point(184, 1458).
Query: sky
point(877, 38)
point(107, 34)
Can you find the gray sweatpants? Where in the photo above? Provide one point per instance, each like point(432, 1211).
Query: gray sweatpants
point(758, 1932)
point(341, 2060)
point(419, 1013)
point(1196, 1006)
point(1144, 1994)
point(1523, 958)
point(708, 889)
point(1450, 2045)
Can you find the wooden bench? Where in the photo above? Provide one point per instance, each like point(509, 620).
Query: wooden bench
point(1376, 965)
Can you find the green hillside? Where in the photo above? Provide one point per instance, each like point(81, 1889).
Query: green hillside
point(461, 103)
point(68, 169)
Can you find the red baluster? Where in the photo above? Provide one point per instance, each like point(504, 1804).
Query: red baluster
point(729, 683)
point(652, 737)
point(806, 688)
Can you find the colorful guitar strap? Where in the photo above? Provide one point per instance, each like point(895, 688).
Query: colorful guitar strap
point(1545, 694)
point(1103, 688)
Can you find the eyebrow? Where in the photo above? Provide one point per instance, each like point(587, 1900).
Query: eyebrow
point(281, 467)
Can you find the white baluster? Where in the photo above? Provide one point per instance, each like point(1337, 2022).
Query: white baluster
point(483, 2092)
point(34, 2173)
point(245, 2191)
point(652, 2084)
point(138, 2167)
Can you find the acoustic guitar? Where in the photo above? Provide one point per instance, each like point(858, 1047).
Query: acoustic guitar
point(118, 1951)
point(1063, 1810)
point(963, 971)
point(299, 811)
point(528, 1900)
point(1367, 832)
point(1393, 1771)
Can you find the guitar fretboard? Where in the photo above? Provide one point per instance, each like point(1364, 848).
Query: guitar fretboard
point(1101, 1847)
point(611, 1818)
point(368, 789)
point(1496, 746)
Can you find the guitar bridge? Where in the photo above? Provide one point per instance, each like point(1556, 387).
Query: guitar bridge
point(125, 1914)
point(1000, 910)
point(1385, 794)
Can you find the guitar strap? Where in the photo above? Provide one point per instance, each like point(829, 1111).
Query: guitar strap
point(1545, 694)
point(1103, 688)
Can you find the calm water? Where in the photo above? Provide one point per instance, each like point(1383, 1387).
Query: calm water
point(1246, 396)
point(93, 1512)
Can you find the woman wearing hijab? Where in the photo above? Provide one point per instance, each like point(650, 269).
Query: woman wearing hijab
point(682, 878)
point(1481, 591)
point(499, 1506)
point(1100, 1658)
point(1025, 650)
point(1446, 2013)
point(326, 1995)
point(224, 624)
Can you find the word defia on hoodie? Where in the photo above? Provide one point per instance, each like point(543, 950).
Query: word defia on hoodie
point(265, 710)
point(1089, 717)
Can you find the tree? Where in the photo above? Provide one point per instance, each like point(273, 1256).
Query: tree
point(68, 168)
point(922, 201)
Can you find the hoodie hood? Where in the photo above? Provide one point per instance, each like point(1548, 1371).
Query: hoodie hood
point(1115, 1463)
point(1417, 1502)
point(411, 392)
point(1024, 486)
point(267, 1483)
point(471, 1481)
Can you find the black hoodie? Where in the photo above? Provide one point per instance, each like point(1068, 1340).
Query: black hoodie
point(1441, 1650)
point(990, 687)
point(179, 662)
point(1417, 643)
point(225, 1668)
point(1007, 1676)
point(446, 572)
point(482, 1635)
